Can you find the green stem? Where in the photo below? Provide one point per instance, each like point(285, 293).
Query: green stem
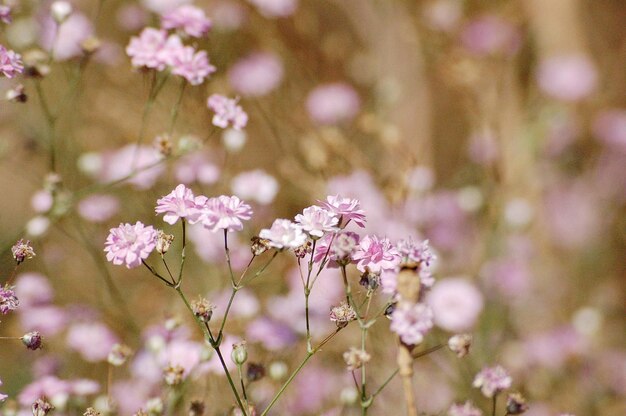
point(493, 406)
point(230, 267)
point(182, 253)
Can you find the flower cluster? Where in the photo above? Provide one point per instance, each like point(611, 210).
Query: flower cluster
point(227, 111)
point(492, 380)
point(190, 19)
point(411, 322)
point(8, 300)
point(130, 244)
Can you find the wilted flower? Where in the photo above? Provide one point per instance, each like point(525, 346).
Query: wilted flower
point(173, 374)
point(255, 372)
point(202, 309)
point(16, 94)
point(342, 314)
point(119, 354)
point(41, 407)
point(8, 300)
point(303, 250)
point(460, 344)
point(516, 404)
point(492, 380)
point(164, 241)
point(32, 340)
point(191, 19)
point(316, 221)
point(91, 412)
point(346, 209)
point(465, 409)
point(411, 322)
point(283, 234)
point(355, 358)
point(259, 246)
point(22, 250)
point(227, 111)
point(163, 144)
point(130, 244)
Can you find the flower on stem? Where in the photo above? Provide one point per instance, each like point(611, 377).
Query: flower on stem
point(202, 309)
point(283, 234)
point(120, 353)
point(414, 252)
point(22, 250)
point(355, 358)
point(465, 409)
point(192, 20)
point(225, 213)
point(32, 340)
point(376, 254)
point(239, 354)
point(130, 244)
point(192, 65)
point(460, 344)
point(346, 209)
point(10, 63)
point(342, 246)
point(180, 203)
point(145, 50)
point(317, 221)
point(164, 241)
point(492, 380)
point(342, 315)
point(411, 322)
point(227, 111)
point(41, 407)
point(259, 245)
point(8, 300)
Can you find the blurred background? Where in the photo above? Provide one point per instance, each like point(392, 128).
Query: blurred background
point(495, 129)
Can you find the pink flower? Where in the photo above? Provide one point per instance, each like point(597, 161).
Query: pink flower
point(130, 244)
point(490, 34)
point(145, 51)
point(255, 185)
point(375, 254)
point(610, 127)
point(33, 289)
point(275, 8)
point(332, 103)
point(92, 340)
point(48, 386)
point(10, 62)
point(256, 75)
point(65, 41)
point(346, 209)
point(180, 203)
point(98, 208)
point(456, 304)
point(5, 14)
point(136, 165)
point(225, 213)
point(316, 221)
point(465, 409)
point(8, 300)
point(343, 245)
point(226, 112)
point(197, 167)
point(284, 234)
point(193, 66)
point(189, 18)
point(567, 77)
point(163, 6)
point(411, 322)
point(414, 252)
point(492, 380)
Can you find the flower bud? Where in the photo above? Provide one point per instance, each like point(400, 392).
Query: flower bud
point(240, 353)
point(60, 11)
point(32, 340)
point(342, 314)
point(22, 250)
point(278, 370)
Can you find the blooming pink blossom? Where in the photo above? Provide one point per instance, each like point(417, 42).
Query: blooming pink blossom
point(465, 409)
point(130, 244)
point(180, 203)
point(193, 66)
point(146, 49)
point(567, 77)
point(49, 320)
point(411, 322)
point(227, 112)
point(10, 62)
point(256, 185)
point(225, 213)
point(8, 300)
point(256, 75)
point(456, 304)
point(92, 340)
point(412, 251)
point(191, 19)
point(346, 209)
point(376, 254)
point(317, 221)
point(275, 8)
point(284, 234)
point(332, 103)
point(492, 380)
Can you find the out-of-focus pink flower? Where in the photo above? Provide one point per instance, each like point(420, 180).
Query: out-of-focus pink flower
point(275, 8)
point(65, 41)
point(225, 213)
point(257, 74)
point(490, 34)
point(227, 111)
point(42, 201)
point(508, 276)
point(130, 244)
point(272, 334)
point(145, 50)
point(465, 409)
point(196, 167)
point(181, 353)
point(33, 289)
point(411, 322)
point(284, 234)
point(492, 380)
point(333, 103)
point(567, 77)
point(609, 126)
point(552, 349)
point(209, 246)
point(98, 207)
point(49, 320)
point(229, 15)
point(2, 396)
point(50, 387)
point(246, 304)
point(10, 62)
point(191, 65)
point(92, 340)
point(483, 148)
point(456, 304)
point(376, 254)
point(8, 300)
point(180, 203)
point(443, 15)
point(129, 159)
point(131, 395)
point(317, 221)
point(188, 18)
point(346, 209)
point(5, 14)
point(84, 387)
point(163, 6)
point(132, 17)
point(255, 185)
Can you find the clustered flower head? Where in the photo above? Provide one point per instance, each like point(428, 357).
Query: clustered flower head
point(464, 409)
point(130, 244)
point(41, 407)
point(411, 322)
point(345, 209)
point(342, 314)
point(283, 234)
point(8, 300)
point(317, 221)
point(227, 112)
point(10, 63)
point(22, 250)
point(180, 203)
point(190, 19)
point(202, 309)
point(375, 255)
point(492, 380)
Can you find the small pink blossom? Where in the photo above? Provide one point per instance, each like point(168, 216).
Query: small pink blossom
point(8, 300)
point(47, 386)
point(609, 126)
point(144, 50)
point(492, 380)
point(256, 75)
point(191, 19)
point(227, 111)
point(180, 203)
point(32, 289)
point(332, 103)
point(567, 77)
point(346, 209)
point(256, 185)
point(10, 63)
point(98, 207)
point(193, 66)
point(317, 221)
point(130, 244)
point(411, 322)
point(284, 234)
point(465, 409)
point(376, 254)
point(65, 41)
point(225, 213)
